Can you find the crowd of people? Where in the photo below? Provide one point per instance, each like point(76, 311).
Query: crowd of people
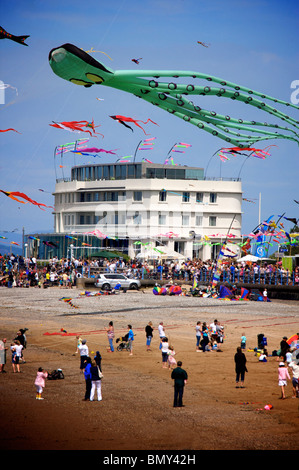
point(17, 271)
point(207, 338)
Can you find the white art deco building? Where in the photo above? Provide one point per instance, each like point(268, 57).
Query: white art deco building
point(163, 206)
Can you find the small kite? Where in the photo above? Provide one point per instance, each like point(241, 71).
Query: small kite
point(20, 39)
point(297, 202)
point(203, 44)
point(68, 300)
point(10, 129)
point(123, 119)
point(136, 60)
point(248, 200)
point(15, 194)
point(47, 243)
point(93, 150)
point(72, 64)
point(77, 126)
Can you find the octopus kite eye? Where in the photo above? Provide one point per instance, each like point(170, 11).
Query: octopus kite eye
point(94, 78)
point(162, 96)
point(77, 81)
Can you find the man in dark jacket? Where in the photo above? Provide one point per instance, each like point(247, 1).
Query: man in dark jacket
point(180, 377)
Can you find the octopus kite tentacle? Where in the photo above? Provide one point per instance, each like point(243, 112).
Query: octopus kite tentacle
point(75, 65)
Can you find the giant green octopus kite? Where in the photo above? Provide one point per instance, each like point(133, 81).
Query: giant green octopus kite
point(73, 64)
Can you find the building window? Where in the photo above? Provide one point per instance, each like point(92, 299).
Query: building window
point(198, 220)
point(212, 221)
point(185, 220)
point(199, 197)
point(186, 197)
point(137, 218)
point(213, 198)
point(162, 219)
point(137, 196)
point(162, 196)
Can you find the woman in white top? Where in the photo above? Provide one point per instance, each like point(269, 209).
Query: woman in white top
point(84, 353)
point(17, 349)
point(161, 333)
point(164, 350)
point(198, 335)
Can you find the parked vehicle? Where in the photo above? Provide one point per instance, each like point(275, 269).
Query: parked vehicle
point(108, 281)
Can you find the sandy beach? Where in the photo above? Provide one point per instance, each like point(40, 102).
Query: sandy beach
point(137, 412)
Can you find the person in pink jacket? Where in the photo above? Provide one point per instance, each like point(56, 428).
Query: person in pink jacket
point(283, 375)
point(40, 382)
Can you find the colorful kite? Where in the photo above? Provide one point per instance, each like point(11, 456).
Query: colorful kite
point(75, 65)
point(47, 243)
point(68, 300)
point(20, 39)
point(77, 126)
point(203, 44)
point(15, 194)
point(92, 150)
point(123, 119)
point(136, 60)
point(10, 129)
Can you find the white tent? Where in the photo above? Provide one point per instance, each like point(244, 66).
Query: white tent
point(251, 258)
point(149, 254)
point(173, 255)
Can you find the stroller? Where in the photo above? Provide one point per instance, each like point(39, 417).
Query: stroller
point(123, 343)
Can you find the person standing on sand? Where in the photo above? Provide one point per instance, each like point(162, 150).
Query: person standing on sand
point(110, 334)
point(40, 382)
point(84, 353)
point(283, 375)
point(3, 350)
point(87, 376)
point(180, 378)
point(240, 367)
point(95, 382)
point(130, 339)
point(161, 333)
point(149, 335)
point(198, 335)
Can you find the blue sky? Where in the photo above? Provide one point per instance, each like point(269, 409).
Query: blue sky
point(252, 43)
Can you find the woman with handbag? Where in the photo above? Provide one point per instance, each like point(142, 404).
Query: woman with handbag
point(96, 377)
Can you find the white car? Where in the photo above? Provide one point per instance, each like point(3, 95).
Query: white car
point(110, 280)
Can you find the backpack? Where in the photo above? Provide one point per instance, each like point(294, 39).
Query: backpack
point(56, 374)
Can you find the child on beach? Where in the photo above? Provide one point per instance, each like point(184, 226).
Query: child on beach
point(40, 382)
point(171, 359)
point(283, 375)
point(243, 341)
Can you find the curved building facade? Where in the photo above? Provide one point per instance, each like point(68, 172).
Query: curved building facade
point(137, 205)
